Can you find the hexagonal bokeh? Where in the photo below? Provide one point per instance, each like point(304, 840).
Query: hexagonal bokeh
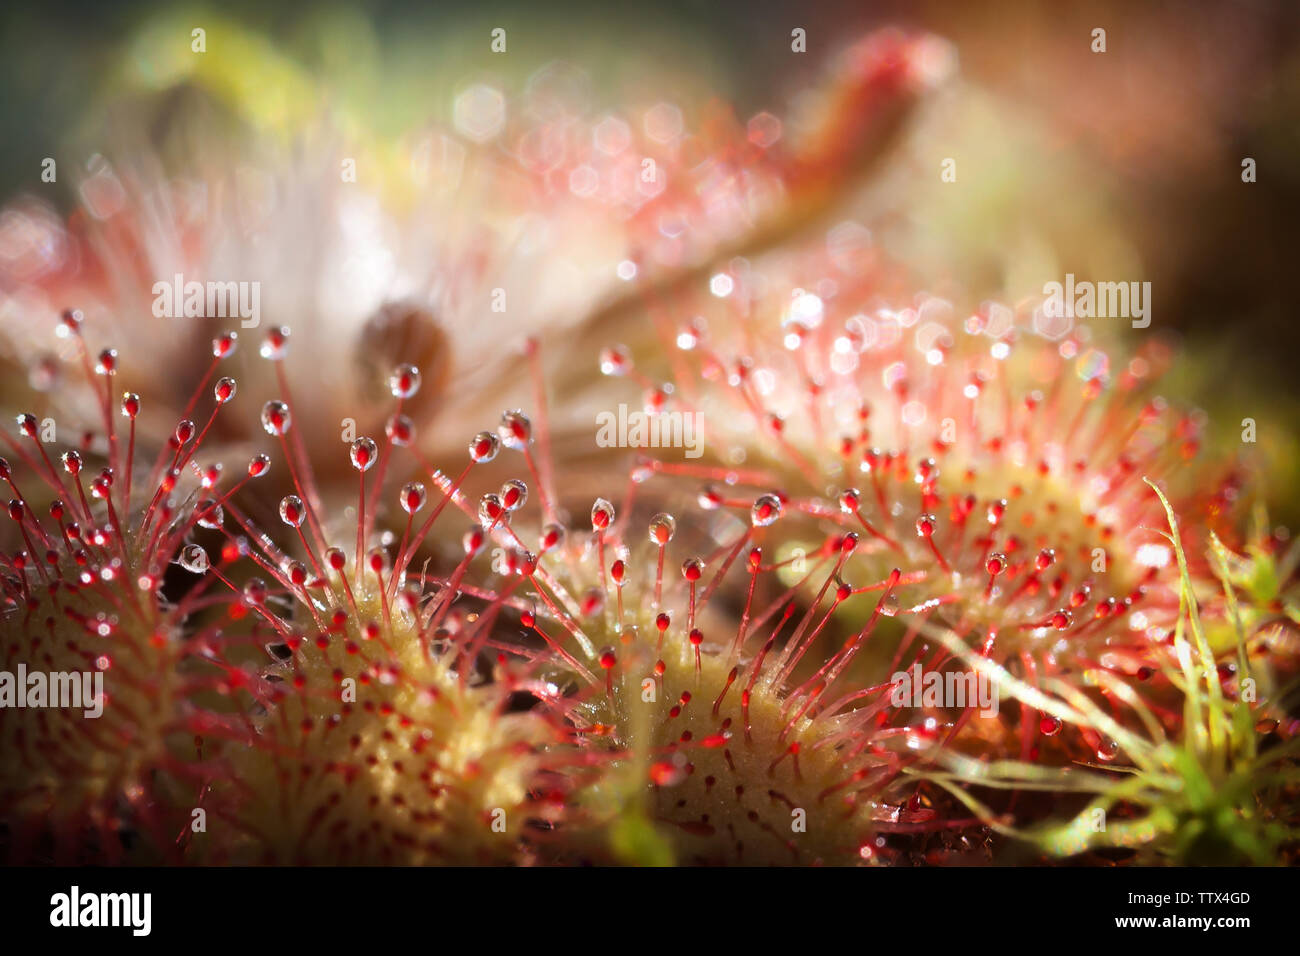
point(480, 112)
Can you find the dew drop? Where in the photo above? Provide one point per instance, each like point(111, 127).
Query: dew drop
point(194, 559)
point(592, 603)
point(255, 591)
point(514, 494)
point(404, 382)
point(996, 510)
point(363, 453)
point(224, 390)
point(70, 323)
point(210, 515)
point(602, 515)
point(224, 345)
point(413, 497)
point(662, 528)
point(296, 571)
point(292, 511)
point(484, 447)
point(259, 465)
point(523, 562)
point(515, 430)
point(656, 399)
point(276, 343)
point(766, 509)
point(400, 430)
point(276, 417)
point(1049, 725)
point(490, 510)
point(615, 360)
point(688, 337)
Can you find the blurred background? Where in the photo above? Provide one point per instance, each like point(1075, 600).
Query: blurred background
point(1122, 165)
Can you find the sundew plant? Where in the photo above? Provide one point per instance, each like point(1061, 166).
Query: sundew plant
point(548, 457)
